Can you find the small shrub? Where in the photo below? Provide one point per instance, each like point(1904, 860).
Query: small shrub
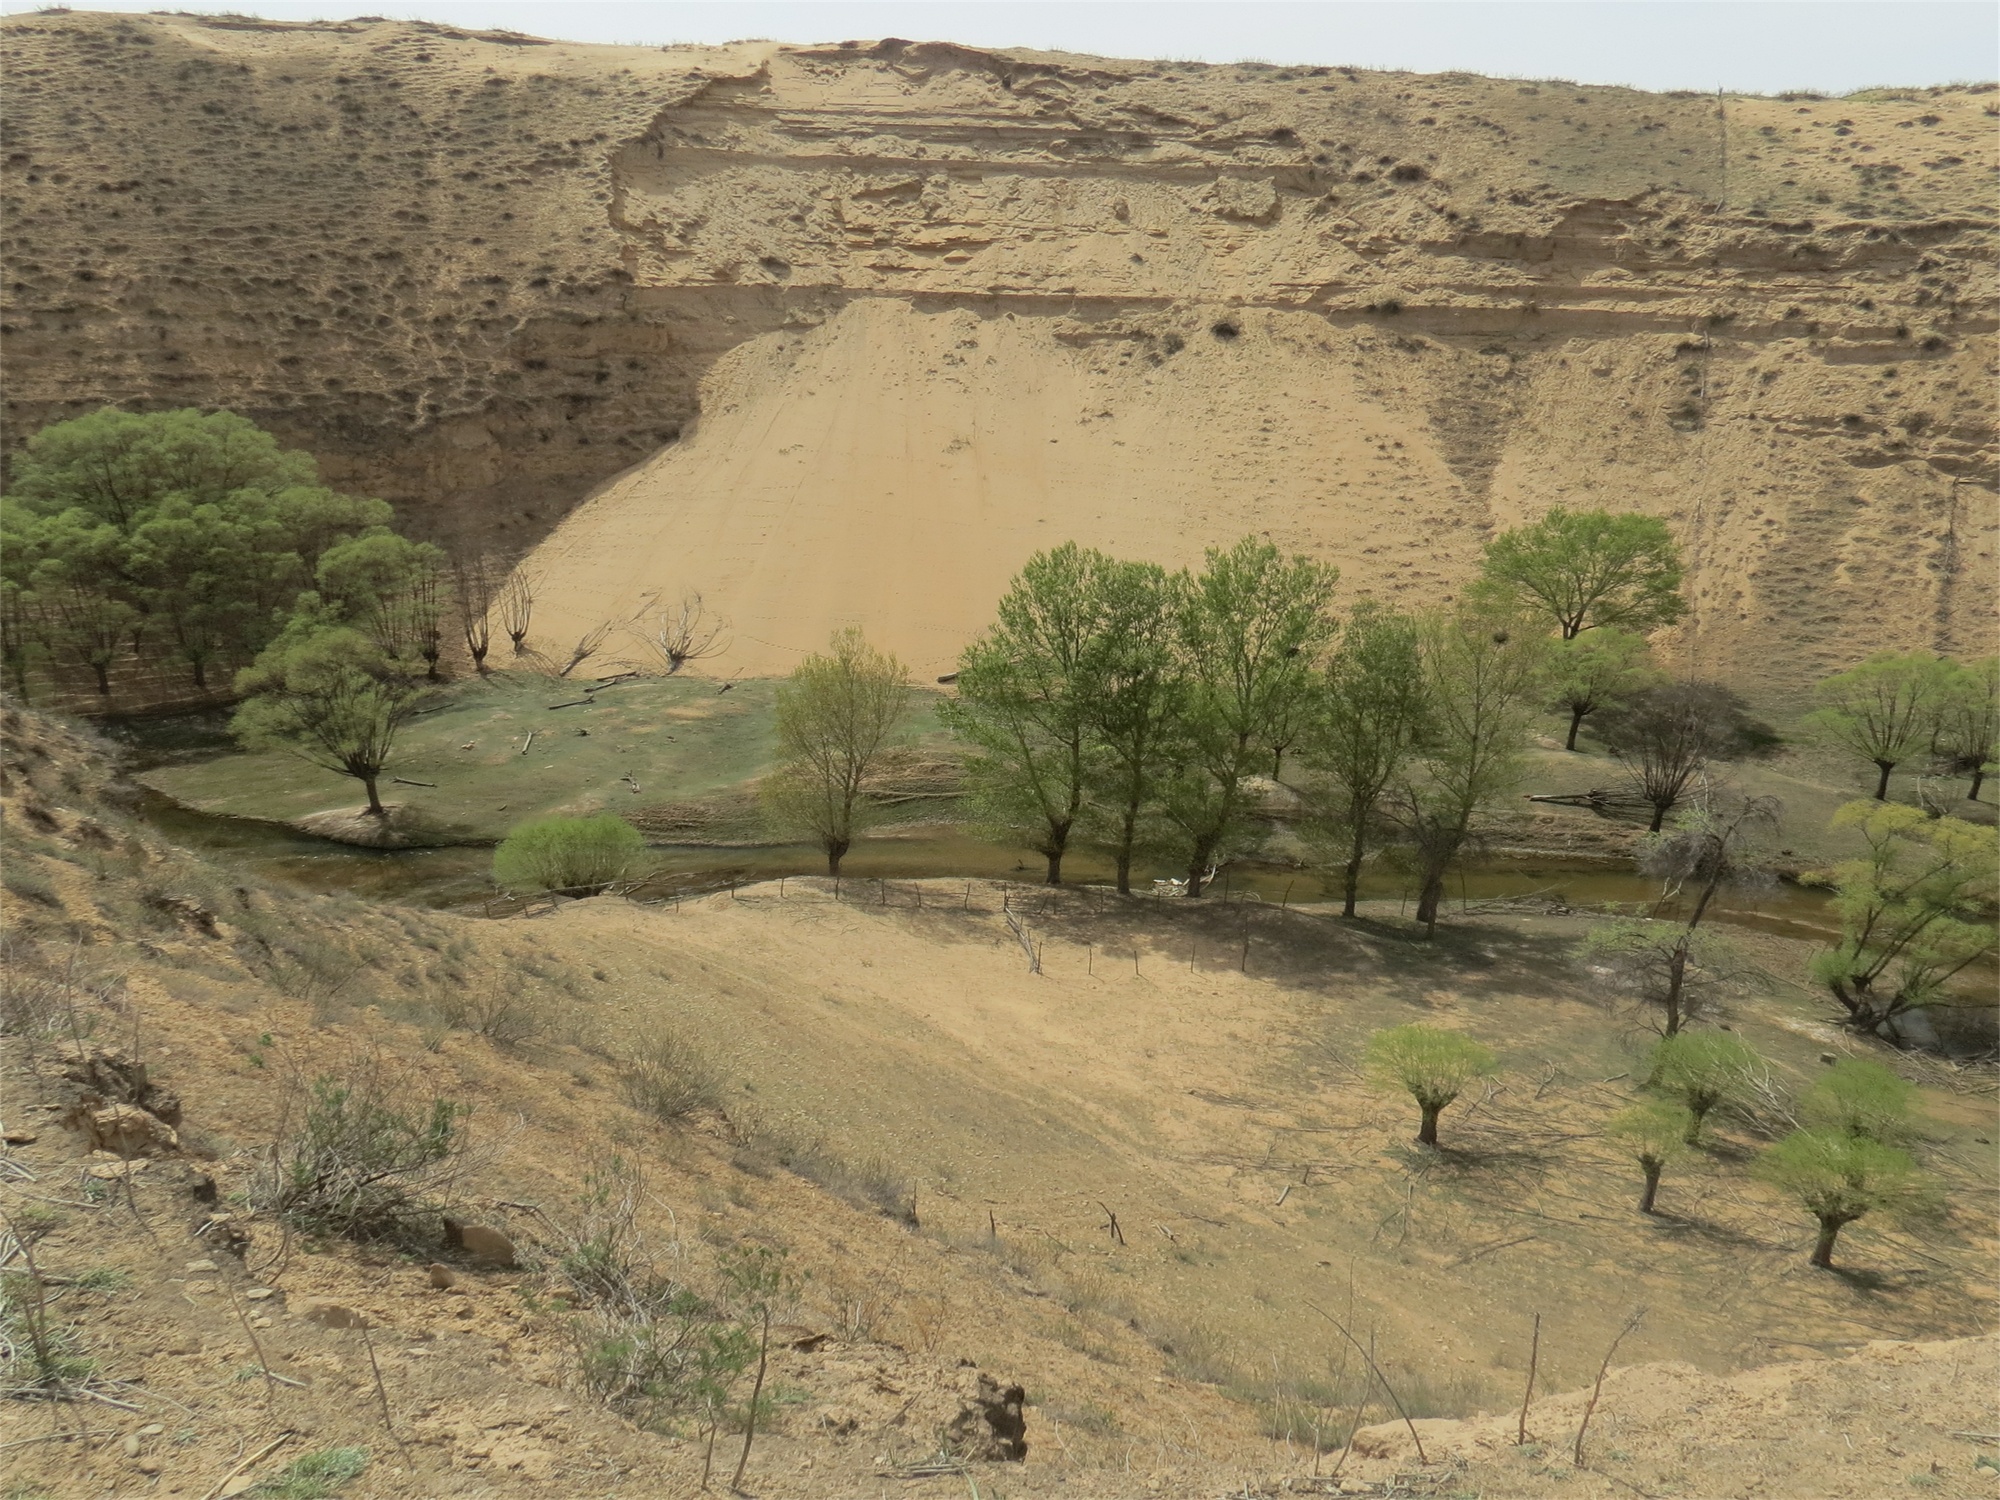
point(1838, 1178)
point(31, 885)
point(1432, 1064)
point(567, 856)
point(1703, 1069)
point(315, 1476)
point(38, 1351)
point(361, 1155)
point(670, 1079)
point(1654, 1134)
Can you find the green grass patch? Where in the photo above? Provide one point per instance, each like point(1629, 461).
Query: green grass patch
point(678, 740)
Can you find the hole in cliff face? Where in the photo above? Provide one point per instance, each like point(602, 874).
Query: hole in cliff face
point(1173, 343)
point(1408, 171)
point(1225, 330)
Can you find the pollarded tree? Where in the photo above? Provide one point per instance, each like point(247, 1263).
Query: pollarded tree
point(1587, 569)
point(1839, 1177)
point(1915, 911)
point(1252, 624)
point(1028, 692)
point(1967, 735)
point(1667, 737)
point(475, 579)
point(567, 856)
point(330, 696)
point(1483, 679)
point(1884, 710)
point(1369, 717)
point(1589, 672)
point(1703, 1070)
point(834, 717)
point(1859, 1096)
point(1433, 1065)
point(1656, 1134)
point(1141, 695)
point(393, 590)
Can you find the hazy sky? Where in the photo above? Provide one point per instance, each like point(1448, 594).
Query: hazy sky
point(1747, 45)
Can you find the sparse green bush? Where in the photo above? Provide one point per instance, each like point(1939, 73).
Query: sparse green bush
point(567, 856)
point(1655, 1134)
point(1432, 1064)
point(31, 885)
point(1703, 1069)
point(38, 1350)
point(670, 1079)
point(1863, 1098)
point(360, 1153)
point(314, 1476)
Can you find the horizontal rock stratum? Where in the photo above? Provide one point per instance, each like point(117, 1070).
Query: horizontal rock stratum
point(937, 307)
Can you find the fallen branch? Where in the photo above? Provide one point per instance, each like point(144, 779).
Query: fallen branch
point(1401, 1411)
point(405, 781)
point(242, 1464)
point(1602, 1370)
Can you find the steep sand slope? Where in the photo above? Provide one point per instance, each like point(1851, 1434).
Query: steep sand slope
point(484, 274)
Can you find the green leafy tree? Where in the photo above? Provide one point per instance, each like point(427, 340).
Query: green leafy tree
point(330, 696)
point(1028, 695)
point(1656, 1134)
point(1884, 710)
point(185, 533)
point(835, 715)
point(1859, 1096)
point(1667, 737)
point(1252, 624)
point(1432, 1065)
point(1839, 1177)
point(1968, 721)
point(1370, 717)
point(1483, 679)
point(1703, 1070)
point(1915, 912)
point(567, 856)
point(1142, 694)
point(1591, 671)
point(393, 590)
point(1587, 569)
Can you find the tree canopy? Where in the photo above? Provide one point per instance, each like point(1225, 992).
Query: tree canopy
point(835, 715)
point(1884, 709)
point(1585, 570)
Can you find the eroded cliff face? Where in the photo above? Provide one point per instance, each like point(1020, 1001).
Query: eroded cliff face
point(1026, 297)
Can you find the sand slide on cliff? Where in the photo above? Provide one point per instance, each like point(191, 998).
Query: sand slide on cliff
point(894, 467)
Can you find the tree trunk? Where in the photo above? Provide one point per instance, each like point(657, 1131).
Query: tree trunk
point(1676, 980)
point(1829, 1231)
point(1198, 867)
point(1652, 1171)
point(103, 673)
point(1427, 1132)
point(375, 807)
point(1575, 723)
point(1978, 779)
point(1125, 871)
point(1660, 810)
point(200, 673)
point(1882, 786)
point(1430, 898)
point(836, 850)
point(1351, 883)
point(1054, 857)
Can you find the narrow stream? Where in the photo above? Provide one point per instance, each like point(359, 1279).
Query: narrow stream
point(461, 876)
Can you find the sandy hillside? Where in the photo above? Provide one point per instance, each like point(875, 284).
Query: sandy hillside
point(937, 1139)
point(844, 333)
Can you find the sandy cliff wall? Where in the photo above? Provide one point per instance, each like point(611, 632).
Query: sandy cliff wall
point(950, 305)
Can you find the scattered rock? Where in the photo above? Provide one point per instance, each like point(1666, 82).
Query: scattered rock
point(199, 1266)
point(989, 1426)
point(131, 1445)
point(112, 1170)
point(105, 1074)
point(443, 1277)
point(20, 1137)
point(126, 1130)
point(334, 1315)
point(487, 1247)
point(259, 1294)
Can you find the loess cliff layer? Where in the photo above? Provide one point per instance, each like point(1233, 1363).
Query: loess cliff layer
point(935, 307)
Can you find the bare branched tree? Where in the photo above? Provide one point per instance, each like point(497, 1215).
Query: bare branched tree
point(516, 603)
point(475, 583)
point(683, 633)
point(587, 645)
